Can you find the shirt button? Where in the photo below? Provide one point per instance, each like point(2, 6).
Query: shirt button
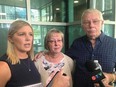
point(92, 55)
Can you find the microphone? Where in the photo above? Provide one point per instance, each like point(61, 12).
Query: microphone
point(51, 81)
point(97, 74)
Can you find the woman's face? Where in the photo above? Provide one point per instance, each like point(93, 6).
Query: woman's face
point(22, 39)
point(55, 43)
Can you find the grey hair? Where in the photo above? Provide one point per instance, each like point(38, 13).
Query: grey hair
point(91, 10)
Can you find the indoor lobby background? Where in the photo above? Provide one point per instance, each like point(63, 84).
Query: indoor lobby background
point(46, 14)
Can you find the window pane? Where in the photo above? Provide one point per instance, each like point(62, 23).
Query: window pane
point(12, 10)
point(48, 10)
point(75, 31)
point(3, 37)
point(107, 7)
point(79, 7)
point(109, 30)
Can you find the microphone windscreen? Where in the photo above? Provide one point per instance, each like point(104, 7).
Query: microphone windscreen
point(90, 65)
point(96, 73)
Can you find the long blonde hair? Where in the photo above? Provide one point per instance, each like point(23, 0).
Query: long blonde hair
point(14, 27)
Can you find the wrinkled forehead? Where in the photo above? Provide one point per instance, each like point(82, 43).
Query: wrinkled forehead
point(92, 15)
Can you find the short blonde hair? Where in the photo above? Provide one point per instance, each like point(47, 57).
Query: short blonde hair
point(48, 35)
point(14, 27)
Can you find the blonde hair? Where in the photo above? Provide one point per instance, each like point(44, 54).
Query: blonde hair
point(14, 27)
point(92, 10)
point(48, 35)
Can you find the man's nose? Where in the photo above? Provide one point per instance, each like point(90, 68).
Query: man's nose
point(91, 23)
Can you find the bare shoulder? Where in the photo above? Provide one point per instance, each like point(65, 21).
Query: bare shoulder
point(5, 73)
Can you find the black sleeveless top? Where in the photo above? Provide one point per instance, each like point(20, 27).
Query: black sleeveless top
point(23, 73)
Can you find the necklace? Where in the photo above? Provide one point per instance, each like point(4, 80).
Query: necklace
point(26, 62)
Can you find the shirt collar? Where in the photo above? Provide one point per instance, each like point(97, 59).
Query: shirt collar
point(100, 38)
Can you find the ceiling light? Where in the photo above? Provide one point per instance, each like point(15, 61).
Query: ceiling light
point(76, 1)
point(57, 9)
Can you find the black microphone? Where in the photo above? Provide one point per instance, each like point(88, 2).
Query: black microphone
point(51, 81)
point(97, 74)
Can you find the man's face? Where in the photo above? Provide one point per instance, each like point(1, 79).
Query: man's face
point(92, 25)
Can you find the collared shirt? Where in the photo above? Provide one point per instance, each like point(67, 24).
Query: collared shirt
point(81, 50)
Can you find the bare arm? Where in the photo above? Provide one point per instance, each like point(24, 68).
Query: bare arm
point(5, 73)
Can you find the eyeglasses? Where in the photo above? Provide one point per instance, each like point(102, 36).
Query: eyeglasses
point(54, 41)
point(95, 22)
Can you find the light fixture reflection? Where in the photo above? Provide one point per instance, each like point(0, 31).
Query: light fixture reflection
point(76, 1)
